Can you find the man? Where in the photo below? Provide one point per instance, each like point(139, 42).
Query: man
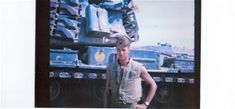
point(124, 76)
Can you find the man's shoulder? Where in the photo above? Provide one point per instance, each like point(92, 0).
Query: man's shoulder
point(111, 65)
point(136, 63)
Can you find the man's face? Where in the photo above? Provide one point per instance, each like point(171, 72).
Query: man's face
point(122, 52)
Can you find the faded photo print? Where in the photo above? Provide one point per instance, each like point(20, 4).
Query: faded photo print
point(124, 54)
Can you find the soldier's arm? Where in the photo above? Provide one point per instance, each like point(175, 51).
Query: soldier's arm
point(151, 83)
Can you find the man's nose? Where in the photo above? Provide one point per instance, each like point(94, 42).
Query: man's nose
point(119, 53)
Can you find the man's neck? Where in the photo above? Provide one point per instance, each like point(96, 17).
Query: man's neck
point(123, 62)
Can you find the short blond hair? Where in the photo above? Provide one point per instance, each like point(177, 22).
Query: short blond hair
point(123, 40)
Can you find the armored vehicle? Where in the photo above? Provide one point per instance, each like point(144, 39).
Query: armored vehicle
point(82, 39)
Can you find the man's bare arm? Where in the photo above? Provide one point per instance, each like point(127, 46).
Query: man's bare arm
point(152, 86)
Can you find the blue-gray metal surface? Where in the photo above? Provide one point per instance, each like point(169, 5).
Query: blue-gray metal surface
point(99, 55)
point(70, 2)
point(65, 21)
point(149, 59)
point(97, 24)
point(63, 58)
point(69, 10)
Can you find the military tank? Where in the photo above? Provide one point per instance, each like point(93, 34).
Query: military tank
point(82, 39)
